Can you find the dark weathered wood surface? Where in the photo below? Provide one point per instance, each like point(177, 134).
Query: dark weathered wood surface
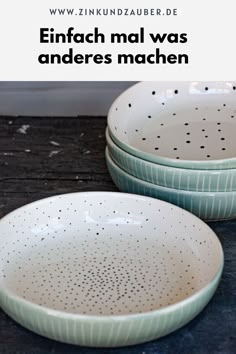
point(33, 166)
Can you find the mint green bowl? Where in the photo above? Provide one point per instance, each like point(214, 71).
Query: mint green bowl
point(180, 124)
point(171, 177)
point(210, 206)
point(106, 269)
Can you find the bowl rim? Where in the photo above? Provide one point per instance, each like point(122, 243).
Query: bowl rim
point(226, 163)
point(164, 167)
point(169, 189)
point(59, 314)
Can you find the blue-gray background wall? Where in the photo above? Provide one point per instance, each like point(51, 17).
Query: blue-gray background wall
point(58, 98)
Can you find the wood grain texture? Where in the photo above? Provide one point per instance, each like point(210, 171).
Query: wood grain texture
point(29, 170)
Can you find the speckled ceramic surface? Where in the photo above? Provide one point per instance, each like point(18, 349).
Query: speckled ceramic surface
point(171, 177)
point(106, 269)
point(206, 205)
point(183, 124)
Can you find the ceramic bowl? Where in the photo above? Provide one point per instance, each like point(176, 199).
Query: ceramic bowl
point(210, 206)
point(184, 124)
point(171, 177)
point(106, 269)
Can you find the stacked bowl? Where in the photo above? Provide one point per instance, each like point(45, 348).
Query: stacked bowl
point(176, 142)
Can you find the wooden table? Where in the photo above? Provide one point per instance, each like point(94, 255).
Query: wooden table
point(40, 157)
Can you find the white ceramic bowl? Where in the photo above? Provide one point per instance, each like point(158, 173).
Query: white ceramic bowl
point(210, 206)
point(171, 177)
point(183, 124)
point(106, 269)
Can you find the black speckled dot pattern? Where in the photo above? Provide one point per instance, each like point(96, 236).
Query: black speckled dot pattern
point(206, 119)
point(99, 255)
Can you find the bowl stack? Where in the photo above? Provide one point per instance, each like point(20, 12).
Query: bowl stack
point(176, 142)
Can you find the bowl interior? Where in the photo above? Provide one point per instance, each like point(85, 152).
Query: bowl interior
point(105, 254)
point(180, 121)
